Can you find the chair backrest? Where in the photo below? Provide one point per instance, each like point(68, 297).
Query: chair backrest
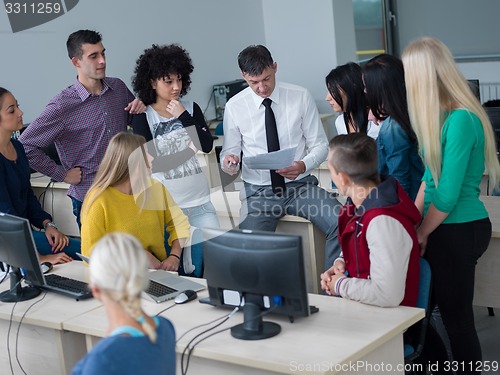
point(424, 285)
point(219, 129)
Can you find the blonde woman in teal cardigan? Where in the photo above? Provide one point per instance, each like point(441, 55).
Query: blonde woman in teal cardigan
point(457, 142)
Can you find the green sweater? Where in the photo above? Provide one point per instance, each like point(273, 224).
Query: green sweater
point(461, 172)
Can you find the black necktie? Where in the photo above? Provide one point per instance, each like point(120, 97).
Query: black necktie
point(273, 144)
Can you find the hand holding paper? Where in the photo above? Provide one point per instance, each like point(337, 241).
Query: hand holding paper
point(272, 160)
point(293, 171)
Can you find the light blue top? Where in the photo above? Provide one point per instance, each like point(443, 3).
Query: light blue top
point(132, 354)
point(398, 156)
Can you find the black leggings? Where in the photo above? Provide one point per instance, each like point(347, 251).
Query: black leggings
point(453, 251)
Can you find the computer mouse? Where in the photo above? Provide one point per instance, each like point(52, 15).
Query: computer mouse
point(185, 296)
point(46, 267)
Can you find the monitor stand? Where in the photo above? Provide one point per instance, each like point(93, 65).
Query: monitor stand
point(253, 327)
point(18, 293)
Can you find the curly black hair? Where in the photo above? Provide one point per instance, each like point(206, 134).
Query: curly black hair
point(159, 62)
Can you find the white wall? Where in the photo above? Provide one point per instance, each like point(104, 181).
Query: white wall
point(308, 39)
point(34, 64)
point(301, 34)
point(468, 28)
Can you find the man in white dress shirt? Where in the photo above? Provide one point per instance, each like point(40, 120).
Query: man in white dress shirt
point(298, 126)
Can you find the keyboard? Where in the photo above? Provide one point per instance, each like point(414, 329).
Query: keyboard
point(69, 287)
point(158, 290)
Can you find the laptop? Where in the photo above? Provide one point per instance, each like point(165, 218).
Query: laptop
point(164, 285)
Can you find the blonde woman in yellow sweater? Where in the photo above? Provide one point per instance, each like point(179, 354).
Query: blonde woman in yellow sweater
point(124, 199)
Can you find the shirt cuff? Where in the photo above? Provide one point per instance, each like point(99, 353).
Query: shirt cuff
point(338, 284)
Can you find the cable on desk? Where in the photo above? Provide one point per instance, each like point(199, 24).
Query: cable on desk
point(213, 334)
point(206, 324)
point(8, 331)
point(196, 343)
point(19, 327)
point(41, 197)
point(43, 194)
point(165, 309)
point(189, 349)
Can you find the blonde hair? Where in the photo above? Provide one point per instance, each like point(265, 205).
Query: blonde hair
point(434, 85)
point(125, 153)
point(119, 267)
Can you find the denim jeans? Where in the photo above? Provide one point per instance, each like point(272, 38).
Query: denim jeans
point(203, 216)
point(261, 209)
point(43, 247)
point(77, 208)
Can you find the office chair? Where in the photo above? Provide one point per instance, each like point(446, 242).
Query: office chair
point(219, 130)
point(196, 247)
point(414, 350)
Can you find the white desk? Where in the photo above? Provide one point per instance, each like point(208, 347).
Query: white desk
point(56, 202)
point(43, 347)
point(313, 239)
point(342, 333)
point(487, 282)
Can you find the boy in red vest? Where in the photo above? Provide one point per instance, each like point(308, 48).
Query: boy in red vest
point(379, 262)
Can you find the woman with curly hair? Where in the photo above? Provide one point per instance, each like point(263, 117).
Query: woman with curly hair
point(177, 128)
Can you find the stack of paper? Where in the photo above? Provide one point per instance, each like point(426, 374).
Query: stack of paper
point(272, 160)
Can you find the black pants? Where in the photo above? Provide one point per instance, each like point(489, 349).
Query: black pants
point(453, 251)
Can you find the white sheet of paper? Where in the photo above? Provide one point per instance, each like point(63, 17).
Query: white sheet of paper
point(272, 160)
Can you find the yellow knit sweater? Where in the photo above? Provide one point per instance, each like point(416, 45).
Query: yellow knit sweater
point(114, 211)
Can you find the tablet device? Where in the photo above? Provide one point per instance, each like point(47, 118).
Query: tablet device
point(83, 257)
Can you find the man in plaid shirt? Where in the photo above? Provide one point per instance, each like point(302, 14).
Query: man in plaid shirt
point(81, 119)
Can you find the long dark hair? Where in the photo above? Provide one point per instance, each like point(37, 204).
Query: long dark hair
point(386, 91)
point(349, 80)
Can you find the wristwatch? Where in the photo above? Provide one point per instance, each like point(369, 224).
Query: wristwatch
point(49, 224)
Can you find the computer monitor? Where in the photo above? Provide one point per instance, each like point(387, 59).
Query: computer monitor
point(474, 86)
point(494, 116)
point(17, 250)
point(263, 270)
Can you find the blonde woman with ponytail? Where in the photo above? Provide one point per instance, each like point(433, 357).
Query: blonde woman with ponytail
point(136, 343)
point(124, 198)
point(458, 147)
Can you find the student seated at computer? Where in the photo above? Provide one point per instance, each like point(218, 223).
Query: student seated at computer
point(124, 198)
point(137, 343)
point(16, 195)
point(379, 262)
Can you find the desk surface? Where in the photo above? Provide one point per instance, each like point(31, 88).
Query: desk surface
point(41, 181)
point(341, 332)
point(492, 204)
point(48, 313)
point(487, 281)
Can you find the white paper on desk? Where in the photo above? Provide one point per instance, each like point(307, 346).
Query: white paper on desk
point(272, 160)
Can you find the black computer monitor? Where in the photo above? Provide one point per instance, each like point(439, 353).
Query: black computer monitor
point(474, 86)
point(494, 116)
point(17, 250)
point(264, 270)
